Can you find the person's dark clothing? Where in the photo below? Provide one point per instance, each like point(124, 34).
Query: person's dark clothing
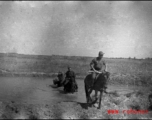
point(70, 75)
point(70, 81)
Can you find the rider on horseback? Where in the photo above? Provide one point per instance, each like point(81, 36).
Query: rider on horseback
point(98, 66)
point(70, 77)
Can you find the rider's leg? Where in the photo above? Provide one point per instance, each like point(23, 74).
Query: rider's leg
point(93, 77)
point(96, 76)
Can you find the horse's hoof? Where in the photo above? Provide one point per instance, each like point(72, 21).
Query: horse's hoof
point(90, 105)
point(95, 105)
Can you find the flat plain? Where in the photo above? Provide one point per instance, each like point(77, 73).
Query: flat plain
point(130, 79)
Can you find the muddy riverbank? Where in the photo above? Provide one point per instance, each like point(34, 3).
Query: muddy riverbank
point(33, 97)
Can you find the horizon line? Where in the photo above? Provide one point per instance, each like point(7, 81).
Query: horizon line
point(71, 55)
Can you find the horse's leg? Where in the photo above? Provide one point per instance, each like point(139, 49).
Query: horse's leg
point(87, 93)
point(90, 91)
point(96, 94)
point(64, 88)
point(100, 99)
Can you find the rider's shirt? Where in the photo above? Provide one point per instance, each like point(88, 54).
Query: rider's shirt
point(70, 74)
point(98, 65)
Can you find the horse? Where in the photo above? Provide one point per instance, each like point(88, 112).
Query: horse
point(99, 85)
point(59, 81)
point(70, 86)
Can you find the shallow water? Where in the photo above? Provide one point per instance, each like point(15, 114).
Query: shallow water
point(35, 90)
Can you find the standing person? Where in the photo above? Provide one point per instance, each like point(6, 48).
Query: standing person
point(98, 66)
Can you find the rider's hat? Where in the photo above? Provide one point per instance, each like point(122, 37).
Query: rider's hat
point(101, 53)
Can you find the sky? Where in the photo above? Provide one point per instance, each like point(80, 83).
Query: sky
point(77, 28)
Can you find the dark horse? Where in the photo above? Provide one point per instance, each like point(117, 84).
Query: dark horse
point(99, 85)
point(70, 86)
point(59, 81)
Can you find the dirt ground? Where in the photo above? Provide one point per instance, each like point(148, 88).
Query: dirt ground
point(70, 106)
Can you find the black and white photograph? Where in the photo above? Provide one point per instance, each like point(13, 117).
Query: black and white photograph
point(75, 59)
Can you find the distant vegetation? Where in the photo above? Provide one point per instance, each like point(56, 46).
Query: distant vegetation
point(123, 71)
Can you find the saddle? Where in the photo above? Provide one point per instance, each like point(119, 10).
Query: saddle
point(70, 85)
point(106, 75)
